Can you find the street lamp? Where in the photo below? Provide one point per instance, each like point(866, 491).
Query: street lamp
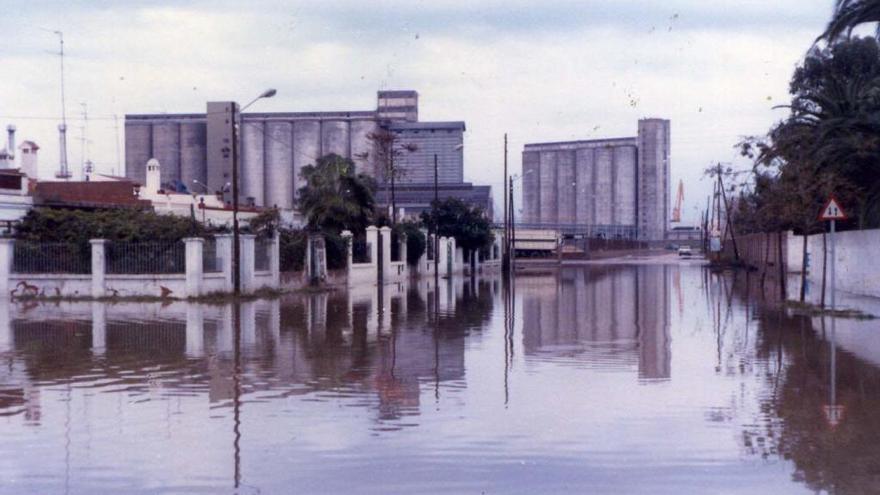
point(236, 248)
point(510, 221)
point(436, 229)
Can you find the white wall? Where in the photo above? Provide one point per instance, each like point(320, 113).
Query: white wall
point(858, 260)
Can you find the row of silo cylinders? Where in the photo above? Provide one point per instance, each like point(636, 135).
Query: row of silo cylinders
point(271, 155)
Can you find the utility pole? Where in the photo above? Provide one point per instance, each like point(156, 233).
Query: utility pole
point(512, 241)
point(505, 246)
point(436, 235)
point(63, 171)
point(236, 248)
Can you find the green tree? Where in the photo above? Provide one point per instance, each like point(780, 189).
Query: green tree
point(468, 224)
point(847, 15)
point(335, 196)
point(415, 240)
point(389, 150)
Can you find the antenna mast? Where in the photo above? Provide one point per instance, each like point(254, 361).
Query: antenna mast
point(63, 171)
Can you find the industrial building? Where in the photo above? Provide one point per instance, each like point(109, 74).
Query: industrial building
point(604, 187)
point(194, 149)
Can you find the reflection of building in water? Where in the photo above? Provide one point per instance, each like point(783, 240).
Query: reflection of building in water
point(616, 314)
point(378, 343)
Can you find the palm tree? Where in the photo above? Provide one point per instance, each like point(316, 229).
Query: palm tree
point(335, 196)
point(848, 14)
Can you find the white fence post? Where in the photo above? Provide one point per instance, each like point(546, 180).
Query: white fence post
point(99, 266)
point(6, 250)
point(194, 266)
point(347, 237)
point(275, 261)
point(247, 262)
point(385, 232)
point(224, 254)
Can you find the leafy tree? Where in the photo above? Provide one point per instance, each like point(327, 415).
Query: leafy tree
point(848, 14)
point(415, 240)
point(389, 149)
point(335, 196)
point(468, 224)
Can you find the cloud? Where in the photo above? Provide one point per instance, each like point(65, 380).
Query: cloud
point(561, 70)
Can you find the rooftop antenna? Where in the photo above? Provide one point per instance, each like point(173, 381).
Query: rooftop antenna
point(84, 139)
point(63, 170)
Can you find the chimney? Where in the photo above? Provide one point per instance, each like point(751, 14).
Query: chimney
point(10, 144)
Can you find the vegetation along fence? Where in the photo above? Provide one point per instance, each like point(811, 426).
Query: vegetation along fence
point(145, 258)
point(262, 254)
point(210, 262)
point(360, 251)
point(51, 257)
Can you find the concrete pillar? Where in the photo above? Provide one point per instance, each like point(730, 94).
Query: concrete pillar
point(224, 257)
point(194, 265)
point(99, 265)
point(247, 262)
point(275, 261)
point(403, 249)
point(5, 264)
point(347, 237)
point(385, 233)
point(99, 328)
point(6, 339)
point(195, 330)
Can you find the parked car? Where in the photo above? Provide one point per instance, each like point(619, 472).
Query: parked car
point(685, 251)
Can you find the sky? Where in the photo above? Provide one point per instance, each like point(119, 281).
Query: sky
point(540, 71)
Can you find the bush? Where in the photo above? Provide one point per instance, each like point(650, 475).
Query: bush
point(415, 241)
point(292, 247)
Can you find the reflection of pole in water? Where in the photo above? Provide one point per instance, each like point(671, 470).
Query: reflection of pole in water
point(236, 390)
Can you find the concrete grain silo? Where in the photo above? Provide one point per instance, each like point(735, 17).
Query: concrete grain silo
point(193, 155)
point(548, 188)
point(253, 183)
point(280, 150)
point(166, 149)
point(362, 153)
point(306, 147)
point(566, 186)
point(585, 172)
point(138, 149)
point(334, 138)
point(625, 185)
point(604, 161)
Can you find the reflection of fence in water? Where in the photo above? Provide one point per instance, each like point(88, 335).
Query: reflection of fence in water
point(262, 249)
point(133, 258)
point(51, 257)
point(210, 262)
point(360, 251)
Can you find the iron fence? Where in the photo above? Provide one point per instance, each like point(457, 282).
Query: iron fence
point(136, 258)
point(395, 246)
point(51, 257)
point(211, 262)
point(262, 254)
point(429, 247)
point(361, 251)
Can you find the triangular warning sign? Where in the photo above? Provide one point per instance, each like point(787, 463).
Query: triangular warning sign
point(832, 211)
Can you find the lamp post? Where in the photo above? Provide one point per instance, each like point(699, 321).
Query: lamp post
point(236, 248)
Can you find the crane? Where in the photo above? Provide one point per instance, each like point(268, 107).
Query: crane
point(679, 197)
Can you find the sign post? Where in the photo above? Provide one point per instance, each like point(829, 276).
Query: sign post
point(832, 212)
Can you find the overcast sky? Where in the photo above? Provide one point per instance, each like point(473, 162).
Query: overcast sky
point(541, 71)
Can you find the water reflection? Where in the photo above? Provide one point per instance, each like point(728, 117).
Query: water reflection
point(662, 379)
point(602, 316)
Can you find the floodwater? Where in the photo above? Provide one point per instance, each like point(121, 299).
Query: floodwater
point(602, 379)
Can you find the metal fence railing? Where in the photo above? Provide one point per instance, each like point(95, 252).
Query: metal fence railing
point(51, 257)
point(262, 254)
point(395, 246)
point(360, 251)
point(429, 247)
point(135, 258)
point(211, 263)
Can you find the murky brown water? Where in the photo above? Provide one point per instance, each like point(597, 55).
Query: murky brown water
point(629, 379)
